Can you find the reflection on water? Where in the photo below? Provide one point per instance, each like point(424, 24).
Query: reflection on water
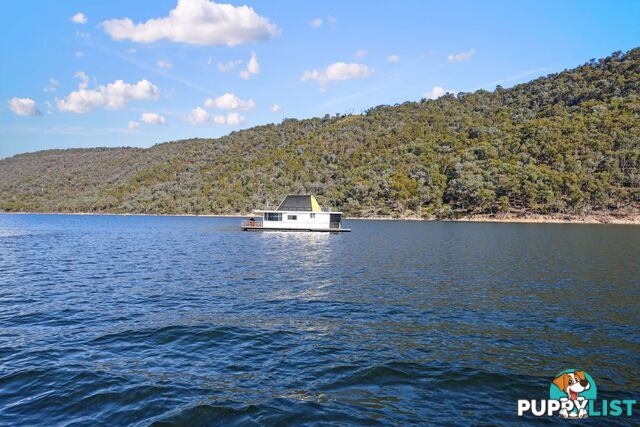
point(305, 255)
point(137, 320)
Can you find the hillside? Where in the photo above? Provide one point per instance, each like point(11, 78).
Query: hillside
point(567, 143)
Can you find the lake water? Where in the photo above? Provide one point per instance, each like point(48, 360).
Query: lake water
point(119, 320)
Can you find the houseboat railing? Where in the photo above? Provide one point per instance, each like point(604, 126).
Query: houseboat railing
point(251, 223)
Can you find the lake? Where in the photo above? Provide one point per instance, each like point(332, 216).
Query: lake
point(139, 320)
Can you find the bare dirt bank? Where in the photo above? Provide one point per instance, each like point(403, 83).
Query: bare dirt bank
point(599, 218)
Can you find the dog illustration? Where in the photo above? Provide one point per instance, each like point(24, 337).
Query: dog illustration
point(573, 383)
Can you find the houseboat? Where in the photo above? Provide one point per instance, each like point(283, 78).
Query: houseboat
point(296, 213)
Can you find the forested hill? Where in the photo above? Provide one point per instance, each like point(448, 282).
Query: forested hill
point(566, 143)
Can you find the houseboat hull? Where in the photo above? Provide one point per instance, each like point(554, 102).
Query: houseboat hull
point(325, 230)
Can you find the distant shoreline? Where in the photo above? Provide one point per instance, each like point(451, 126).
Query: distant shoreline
point(599, 218)
point(527, 219)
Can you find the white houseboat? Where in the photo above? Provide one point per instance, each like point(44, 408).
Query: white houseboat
point(296, 213)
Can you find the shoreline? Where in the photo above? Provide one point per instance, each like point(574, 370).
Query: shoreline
point(630, 219)
point(599, 218)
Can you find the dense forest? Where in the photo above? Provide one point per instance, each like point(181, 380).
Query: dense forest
point(567, 143)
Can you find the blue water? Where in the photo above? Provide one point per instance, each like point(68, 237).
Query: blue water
point(111, 320)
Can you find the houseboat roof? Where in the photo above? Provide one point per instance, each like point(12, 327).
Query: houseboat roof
point(298, 203)
point(304, 202)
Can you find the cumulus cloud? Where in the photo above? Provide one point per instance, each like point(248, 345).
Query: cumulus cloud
point(199, 116)
point(462, 56)
point(113, 96)
point(24, 107)
point(53, 85)
point(164, 64)
point(275, 108)
point(337, 71)
point(133, 125)
point(199, 22)
point(229, 101)
point(316, 22)
point(393, 58)
point(436, 92)
point(252, 67)
point(234, 119)
point(153, 119)
point(79, 18)
point(228, 66)
point(79, 54)
point(361, 53)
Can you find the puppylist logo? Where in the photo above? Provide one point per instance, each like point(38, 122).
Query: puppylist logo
point(574, 389)
point(572, 394)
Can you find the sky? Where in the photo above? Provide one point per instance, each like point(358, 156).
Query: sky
point(136, 73)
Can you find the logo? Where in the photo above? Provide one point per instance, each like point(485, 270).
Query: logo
point(573, 388)
point(573, 395)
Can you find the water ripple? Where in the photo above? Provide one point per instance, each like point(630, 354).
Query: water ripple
point(187, 321)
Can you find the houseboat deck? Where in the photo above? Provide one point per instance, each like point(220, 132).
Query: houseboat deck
point(253, 225)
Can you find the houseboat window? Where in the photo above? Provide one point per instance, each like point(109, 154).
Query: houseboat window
point(292, 217)
point(272, 216)
point(312, 215)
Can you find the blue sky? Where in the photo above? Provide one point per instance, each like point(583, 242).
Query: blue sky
point(78, 74)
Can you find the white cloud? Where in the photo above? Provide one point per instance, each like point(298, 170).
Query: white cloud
point(79, 18)
point(393, 58)
point(234, 119)
point(79, 54)
point(275, 108)
point(83, 35)
point(164, 64)
point(361, 53)
point(252, 67)
point(200, 22)
point(316, 22)
point(199, 116)
point(53, 85)
point(332, 21)
point(228, 66)
point(153, 119)
point(337, 71)
point(229, 101)
point(49, 107)
point(462, 56)
point(133, 125)
point(210, 60)
point(84, 79)
point(436, 92)
point(132, 50)
point(112, 96)
point(24, 107)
